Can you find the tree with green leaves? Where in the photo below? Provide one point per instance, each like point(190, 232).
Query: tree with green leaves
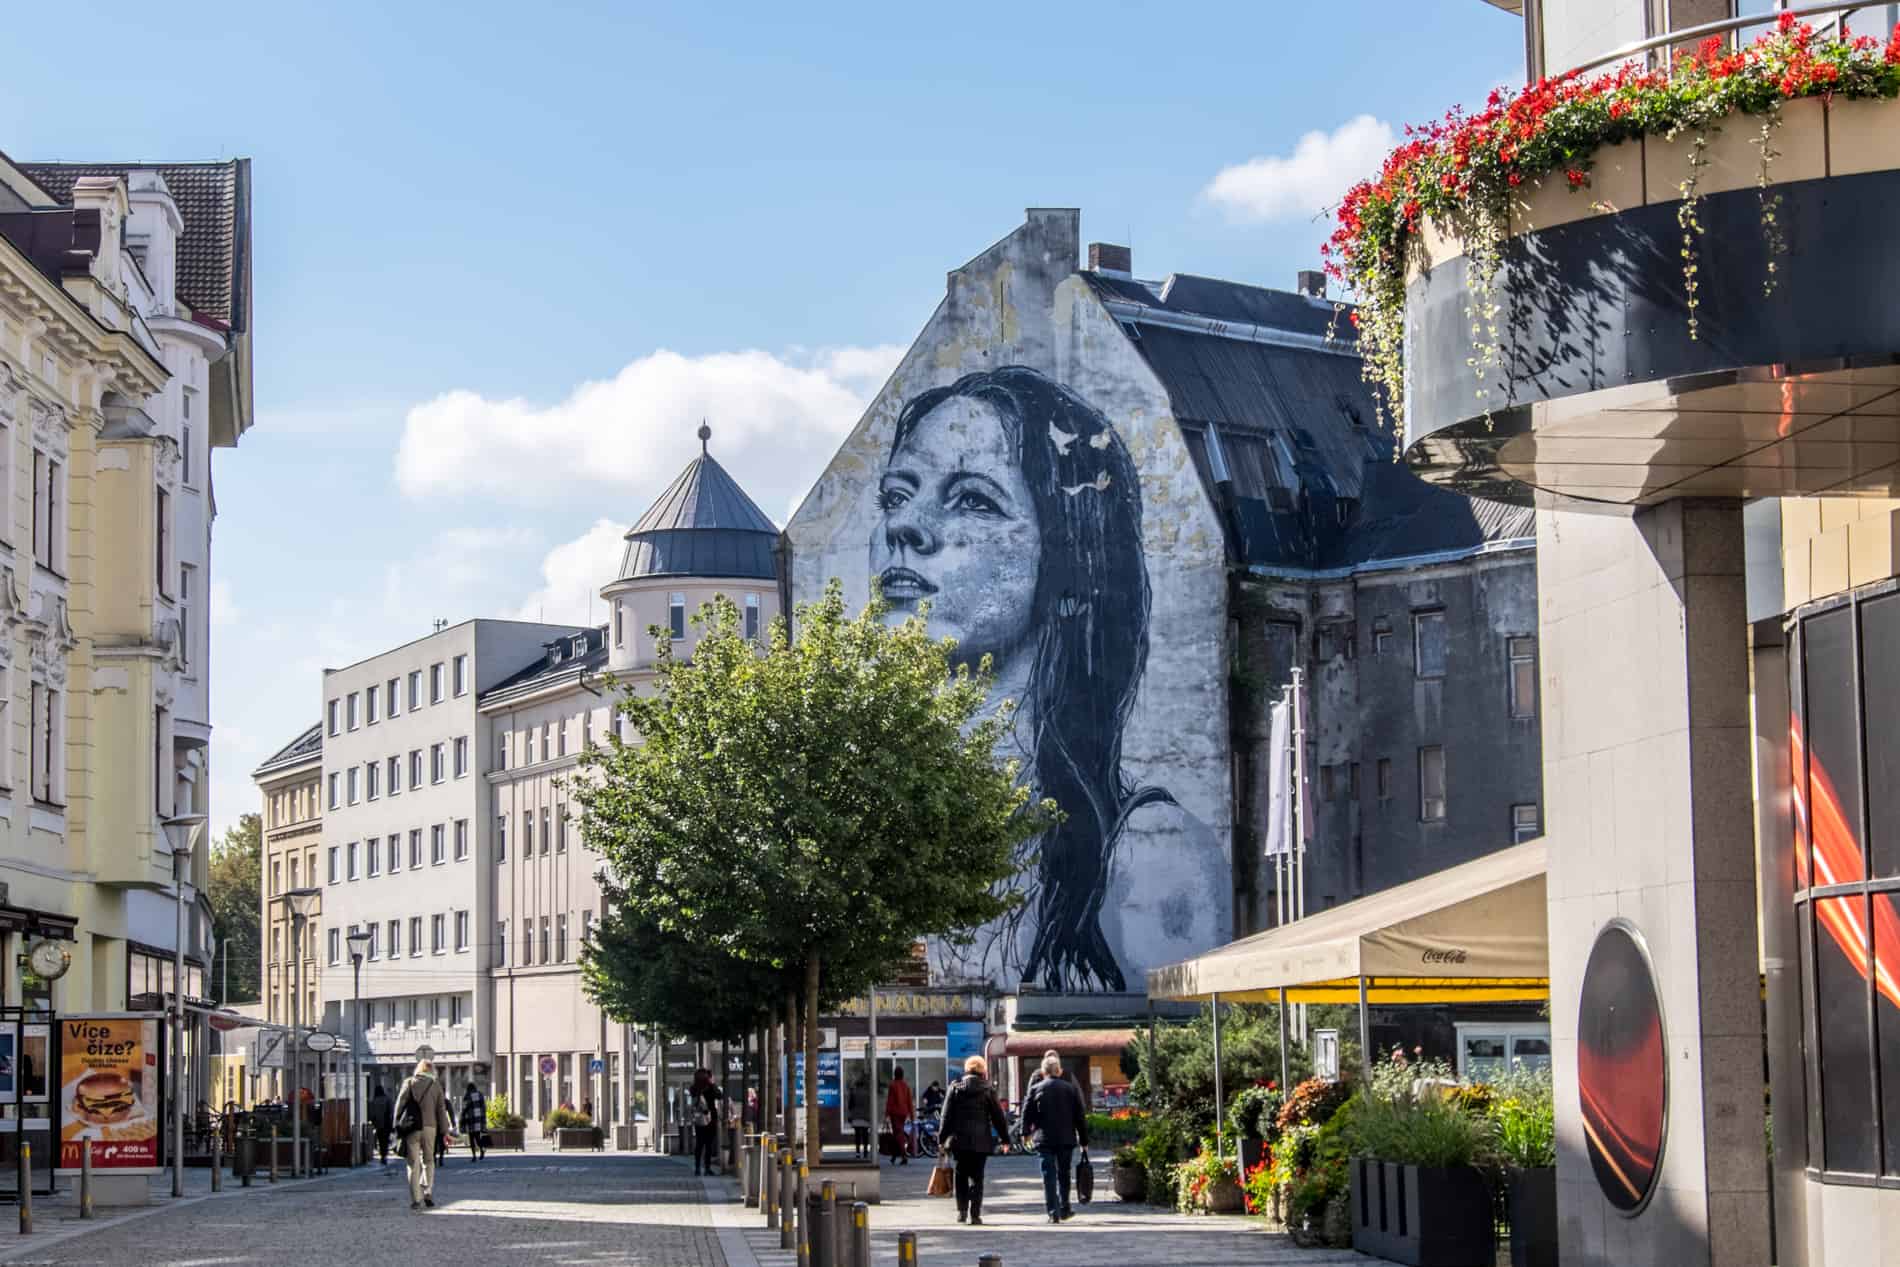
point(237, 870)
point(811, 808)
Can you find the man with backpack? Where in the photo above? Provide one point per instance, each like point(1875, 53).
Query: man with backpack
point(422, 1115)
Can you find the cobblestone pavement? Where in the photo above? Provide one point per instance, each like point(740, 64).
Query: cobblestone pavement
point(519, 1209)
point(1106, 1233)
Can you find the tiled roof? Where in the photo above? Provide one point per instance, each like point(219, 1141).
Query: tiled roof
point(1309, 474)
point(302, 748)
point(702, 525)
point(557, 659)
point(215, 201)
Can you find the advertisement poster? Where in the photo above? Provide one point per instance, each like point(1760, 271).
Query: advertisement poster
point(8, 1070)
point(108, 1087)
point(961, 1040)
point(828, 1078)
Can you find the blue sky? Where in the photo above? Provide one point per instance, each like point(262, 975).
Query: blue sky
point(508, 255)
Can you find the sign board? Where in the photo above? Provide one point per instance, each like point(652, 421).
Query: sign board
point(596, 1065)
point(108, 1089)
point(1326, 1054)
point(828, 1079)
point(317, 1040)
point(225, 1021)
point(547, 1066)
point(961, 1040)
point(270, 1049)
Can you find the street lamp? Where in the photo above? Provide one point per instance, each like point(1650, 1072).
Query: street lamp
point(359, 946)
point(303, 904)
point(183, 833)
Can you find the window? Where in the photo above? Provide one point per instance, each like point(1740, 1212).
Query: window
point(46, 737)
point(436, 764)
point(336, 946)
point(460, 667)
point(546, 939)
point(501, 747)
point(560, 831)
point(527, 745)
point(547, 741)
point(560, 939)
point(501, 838)
point(415, 767)
point(461, 839)
point(1524, 825)
point(438, 834)
point(620, 625)
point(1328, 785)
point(49, 521)
point(501, 943)
point(1381, 637)
point(415, 934)
point(389, 693)
point(333, 864)
point(438, 934)
point(1523, 655)
point(435, 684)
point(371, 952)
point(560, 738)
point(333, 786)
point(161, 571)
point(372, 856)
point(676, 615)
point(587, 731)
point(545, 833)
point(276, 876)
point(395, 853)
point(349, 711)
point(587, 927)
point(527, 833)
point(333, 716)
point(349, 781)
point(350, 854)
point(369, 704)
point(752, 616)
point(161, 749)
point(371, 773)
point(527, 941)
point(415, 847)
point(412, 1008)
point(395, 775)
point(461, 931)
point(184, 615)
point(395, 937)
point(415, 689)
point(461, 756)
point(1385, 778)
point(1428, 643)
point(184, 444)
point(435, 1010)
point(455, 1009)
point(1431, 784)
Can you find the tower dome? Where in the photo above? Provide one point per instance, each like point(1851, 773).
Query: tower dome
point(702, 525)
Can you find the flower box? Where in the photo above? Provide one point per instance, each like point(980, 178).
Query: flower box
point(1733, 153)
point(514, 1137)
point(1615, 184)
point(1130, 1182)
point(1223, 1196)
point(1423, 1216)
point(584, 1137)
point(1532, 1195)
point(1862, 136)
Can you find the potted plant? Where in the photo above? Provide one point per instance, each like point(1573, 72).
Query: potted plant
point(571, 1129)
point(506, 1128)
point(1418, 1196)
point(1210, 1182)
point(1127, 1175)
point(1253, 1117)
point(1522, 1117)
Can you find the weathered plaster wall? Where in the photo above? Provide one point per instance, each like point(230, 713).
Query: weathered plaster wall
point(1165, 884)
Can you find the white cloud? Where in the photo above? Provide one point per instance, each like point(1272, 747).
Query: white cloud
point(775, 421)
point(572, 574)
point(1322, 166)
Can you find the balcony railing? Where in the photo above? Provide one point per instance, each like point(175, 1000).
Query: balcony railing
point(1654, 49)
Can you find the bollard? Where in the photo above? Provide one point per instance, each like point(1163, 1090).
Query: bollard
point(827, 1254)
point(217, 1161)
point(907, 1249)
point(774, 1180)
point(786, 1208)
point(815, 1244)
point(754, 1167)
point(860, 1235)
point(273, 1152)
point(85, 1179)
point(26, 1188)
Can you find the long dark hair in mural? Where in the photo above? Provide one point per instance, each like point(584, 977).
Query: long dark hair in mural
point(1013, 510)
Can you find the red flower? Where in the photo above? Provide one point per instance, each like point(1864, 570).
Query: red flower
point(1515, 178)
point(1619, 108)
point(1506, 153)
point(1575, 178)
point(1786, 23)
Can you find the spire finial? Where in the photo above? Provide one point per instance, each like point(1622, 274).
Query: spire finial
point(705, 434)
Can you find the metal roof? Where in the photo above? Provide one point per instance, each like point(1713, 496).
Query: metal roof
point(305, 746)
point(702, 525)
point(558, 659)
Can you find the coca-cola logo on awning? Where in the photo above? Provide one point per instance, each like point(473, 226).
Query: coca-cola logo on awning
point(1453, 954)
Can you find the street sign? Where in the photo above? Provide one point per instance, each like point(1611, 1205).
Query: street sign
point(547, 1066)
point(317, 1040)
point(596, 1065)
point(225, 1021)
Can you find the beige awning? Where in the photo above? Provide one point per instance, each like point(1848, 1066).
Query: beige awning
point(1477, 932)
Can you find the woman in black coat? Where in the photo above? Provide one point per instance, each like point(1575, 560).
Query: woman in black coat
point(972, 1123)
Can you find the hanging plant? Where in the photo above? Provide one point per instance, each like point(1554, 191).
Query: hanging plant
point(1464, 171)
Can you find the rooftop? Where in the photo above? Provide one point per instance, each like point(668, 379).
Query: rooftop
point(304, 747)
point(702, 525)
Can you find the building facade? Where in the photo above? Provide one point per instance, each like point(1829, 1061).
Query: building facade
point(1151, 502)
point(291, 782)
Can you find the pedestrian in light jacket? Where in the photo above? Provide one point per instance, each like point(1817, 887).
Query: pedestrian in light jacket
point(1053, 1113)
point(422, 1115)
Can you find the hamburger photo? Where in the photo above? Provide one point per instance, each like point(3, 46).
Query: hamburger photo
point(104, 1097)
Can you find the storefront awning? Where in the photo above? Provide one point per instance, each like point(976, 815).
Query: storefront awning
point(1067, 1042)
point(1474, 933)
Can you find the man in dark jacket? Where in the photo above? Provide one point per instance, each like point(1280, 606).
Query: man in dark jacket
point(1053, 1111)
point(381, 1114)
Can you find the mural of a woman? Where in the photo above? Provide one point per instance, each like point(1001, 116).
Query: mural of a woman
point(1012, 509)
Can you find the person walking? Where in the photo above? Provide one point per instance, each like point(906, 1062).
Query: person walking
point(899, 1108)
point(422, 1117)
point(857, 1110)
point(1053, 1115)
point(972, 1123)
point(706, 1096)
point(381, 1114)
point(475, 1121)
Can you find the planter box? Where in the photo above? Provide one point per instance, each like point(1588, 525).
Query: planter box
point(1223, 1196)
point(1422, 1216)
point(1862, 136)
point(583, 1137)
point(1252, 1153)
point(1533, 1204)
point(1616, 184)
point(514, 1137)
point(1734, 157)
point(1130, 1182)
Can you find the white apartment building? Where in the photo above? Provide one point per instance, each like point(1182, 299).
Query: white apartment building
point(408, 845)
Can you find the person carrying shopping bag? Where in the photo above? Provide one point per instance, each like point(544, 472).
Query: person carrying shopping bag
point(422, 1116)
point(972, 1123)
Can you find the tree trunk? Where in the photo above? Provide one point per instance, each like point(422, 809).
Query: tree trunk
point(814, 1148)
point(790, 1044)
point(768, 1077)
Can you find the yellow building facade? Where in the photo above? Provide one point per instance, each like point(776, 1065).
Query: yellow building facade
point(290, 782)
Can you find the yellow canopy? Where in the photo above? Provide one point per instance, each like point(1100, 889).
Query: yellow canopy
point(1473, 933)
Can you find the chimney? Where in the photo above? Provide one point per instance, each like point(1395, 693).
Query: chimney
point(1116, 261)
point(1310, 281)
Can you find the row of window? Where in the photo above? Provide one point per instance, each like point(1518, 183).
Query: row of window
point(367, 707)
point(373, 778)
point(553, 737)
point(676, 618)
point(384, 941)
point(345, 859)
point(433, 1011)
point(292, 805)
point(553, 832)
point(552, 942)
point(1342, 778)
point(1430, 647)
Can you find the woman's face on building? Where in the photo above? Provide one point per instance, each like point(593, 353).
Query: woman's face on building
point(959, 531)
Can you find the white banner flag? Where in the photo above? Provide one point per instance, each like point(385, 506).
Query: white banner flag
point(1280, 781)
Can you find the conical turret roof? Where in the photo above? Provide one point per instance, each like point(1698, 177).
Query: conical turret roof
point(702, 525)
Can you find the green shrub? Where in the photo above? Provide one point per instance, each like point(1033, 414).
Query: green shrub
point(1429, 1131)
point(1106, 1131)
point(499, 1117)
point(1126, 1157)
point(558, 1119)
point(1523, 1118)
point(1312, 1102)
point(1255, 1113)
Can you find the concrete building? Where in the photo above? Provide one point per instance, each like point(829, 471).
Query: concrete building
point(702, 538)
point(291, 782)
point(1182, 499)
point(410, 844)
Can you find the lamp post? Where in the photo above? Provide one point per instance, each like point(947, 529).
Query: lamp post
point(359, 946)
point(182, 833)
point(302, 904)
